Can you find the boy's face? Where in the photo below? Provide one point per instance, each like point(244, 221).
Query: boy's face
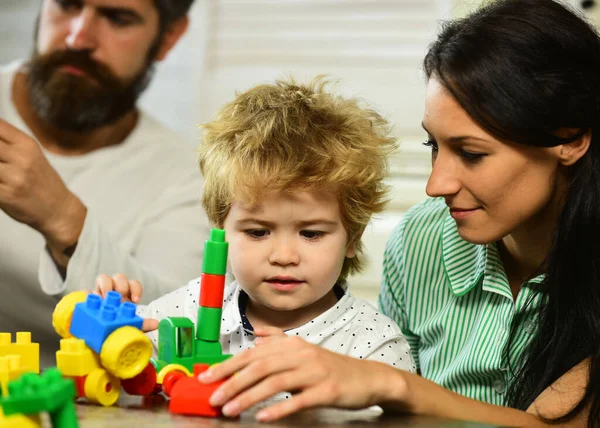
point(287, 252)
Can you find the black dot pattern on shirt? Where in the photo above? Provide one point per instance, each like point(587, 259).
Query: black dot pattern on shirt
point(361, 324)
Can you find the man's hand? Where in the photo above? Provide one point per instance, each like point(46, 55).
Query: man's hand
point(33, 193)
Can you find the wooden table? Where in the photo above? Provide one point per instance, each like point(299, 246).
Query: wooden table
point(134, 412)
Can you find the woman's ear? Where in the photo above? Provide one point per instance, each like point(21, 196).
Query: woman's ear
point(575, 150)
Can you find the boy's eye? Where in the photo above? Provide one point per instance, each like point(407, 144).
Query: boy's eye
point(312, 234)
point(256, 233)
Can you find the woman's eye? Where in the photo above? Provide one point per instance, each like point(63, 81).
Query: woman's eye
point(471, 157)
point(431, 144)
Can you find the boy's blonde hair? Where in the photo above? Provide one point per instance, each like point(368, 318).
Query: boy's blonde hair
point(289, 136)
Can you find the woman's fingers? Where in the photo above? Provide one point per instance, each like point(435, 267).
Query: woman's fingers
point(296, 378)
point(252, 374)
point(306, 399)
point(269, 331)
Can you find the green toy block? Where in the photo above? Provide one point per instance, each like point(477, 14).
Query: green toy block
point(211, 359)
point(205, 347)
point(214, 261)
point(209, 324)
point(32, 393)
point(176, 338)
point(65, 417)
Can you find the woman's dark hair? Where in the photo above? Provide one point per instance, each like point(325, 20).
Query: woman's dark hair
point(522, 69)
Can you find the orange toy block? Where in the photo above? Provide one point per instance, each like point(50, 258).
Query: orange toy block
point(190, 397)
point(211, 290)
point(28, 351)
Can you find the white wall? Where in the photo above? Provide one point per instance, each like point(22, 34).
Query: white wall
point(373, 47)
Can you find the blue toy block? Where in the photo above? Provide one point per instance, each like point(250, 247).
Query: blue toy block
point(95, 319)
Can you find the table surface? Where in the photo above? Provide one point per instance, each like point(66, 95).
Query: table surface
point(132, 412)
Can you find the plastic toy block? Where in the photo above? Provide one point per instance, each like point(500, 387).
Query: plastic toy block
point(211, 290)
point(32, 394)
point(176, 339)
point(79, 385)
point(215, 253)
point(29, 352)
point(190, 397)
point(96, 318)
point(10, 369)
point(75, 359)
point(209, 324)
point(20, 421)
point(142, 384)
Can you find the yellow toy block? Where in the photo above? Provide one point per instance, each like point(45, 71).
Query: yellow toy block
point(19, 421)
point(75, 359)
point(10, 369)
point(29, 352)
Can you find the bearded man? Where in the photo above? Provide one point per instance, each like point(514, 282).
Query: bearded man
point(90, 184)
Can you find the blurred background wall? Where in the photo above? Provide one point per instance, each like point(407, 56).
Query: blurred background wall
point(373, 47)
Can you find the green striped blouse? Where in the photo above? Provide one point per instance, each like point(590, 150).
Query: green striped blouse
point(453, 302)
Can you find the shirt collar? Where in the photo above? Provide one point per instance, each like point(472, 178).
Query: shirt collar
point(333, 319)
point(467, 265)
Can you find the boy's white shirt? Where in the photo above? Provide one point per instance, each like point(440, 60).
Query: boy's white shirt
point(351, 327)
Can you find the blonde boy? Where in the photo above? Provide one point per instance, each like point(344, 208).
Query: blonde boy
point(293, 174)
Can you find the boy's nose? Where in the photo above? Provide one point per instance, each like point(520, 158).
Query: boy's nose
point(284, 253)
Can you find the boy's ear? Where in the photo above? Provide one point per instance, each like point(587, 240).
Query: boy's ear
point(575, 150)
point(172, 35)
point(353, 245)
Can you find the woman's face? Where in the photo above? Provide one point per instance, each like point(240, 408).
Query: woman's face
point(493, 188)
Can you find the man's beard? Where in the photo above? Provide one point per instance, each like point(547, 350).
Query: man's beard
point(80, 103)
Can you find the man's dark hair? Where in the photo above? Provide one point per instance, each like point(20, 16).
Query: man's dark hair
point(170, 11)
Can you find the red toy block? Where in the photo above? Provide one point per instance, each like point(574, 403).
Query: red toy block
point(79, 385)
point(211, 290)
point(190, 397)
point(142, 384)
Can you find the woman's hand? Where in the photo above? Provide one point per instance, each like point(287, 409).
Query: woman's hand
point(317, 377)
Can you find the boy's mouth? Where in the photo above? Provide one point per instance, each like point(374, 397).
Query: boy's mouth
point(284, 282)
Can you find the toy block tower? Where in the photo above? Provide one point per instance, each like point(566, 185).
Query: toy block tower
point(212, 285)
point(178, 343)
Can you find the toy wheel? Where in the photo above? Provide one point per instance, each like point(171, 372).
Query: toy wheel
point(102, 388)
point(61, 317)
point(170, 380)
point(143, 384)
point(126, 352)
point(169, 368)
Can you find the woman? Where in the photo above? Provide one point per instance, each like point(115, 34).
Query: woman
point(497, 281)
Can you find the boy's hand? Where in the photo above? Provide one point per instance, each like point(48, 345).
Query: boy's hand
point(130, 290)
